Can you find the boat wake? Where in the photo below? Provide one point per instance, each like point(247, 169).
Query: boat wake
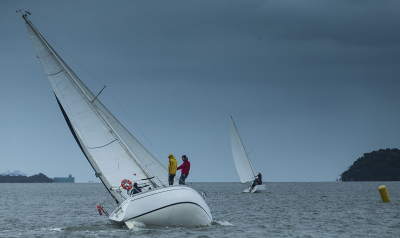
point(221, 223)
point(135, 225)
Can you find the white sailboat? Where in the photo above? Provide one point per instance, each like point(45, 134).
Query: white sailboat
point(243, 164)
point(115, 154)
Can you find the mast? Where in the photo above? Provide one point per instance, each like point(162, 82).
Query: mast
point(240, 156)
point(67, 70)
point(92, 124)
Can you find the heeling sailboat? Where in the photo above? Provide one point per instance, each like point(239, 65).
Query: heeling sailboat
point(243, 164)
point(115, 154)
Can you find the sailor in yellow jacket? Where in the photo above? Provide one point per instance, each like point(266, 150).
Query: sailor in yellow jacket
point(171, 169)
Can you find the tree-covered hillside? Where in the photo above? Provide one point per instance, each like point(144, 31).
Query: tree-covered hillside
point(382, 165)
point(37, 178)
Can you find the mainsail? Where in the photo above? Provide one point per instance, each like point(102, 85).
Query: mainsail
point(109, 147)
point(242, 161)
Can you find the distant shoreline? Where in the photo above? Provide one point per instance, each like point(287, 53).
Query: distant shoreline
point(37, 178)
point(381, 165)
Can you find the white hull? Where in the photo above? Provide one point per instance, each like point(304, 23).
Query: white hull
point(258, 188)
point(262, 187)
point(170, 206)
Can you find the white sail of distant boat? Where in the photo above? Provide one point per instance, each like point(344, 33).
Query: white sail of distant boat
point(244, 167)
point(115, 154)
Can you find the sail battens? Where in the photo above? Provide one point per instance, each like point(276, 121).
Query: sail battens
point(55, 73)
point(102, 145)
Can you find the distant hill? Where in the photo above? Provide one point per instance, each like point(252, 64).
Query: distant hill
point(37, 178)
point(382, 165)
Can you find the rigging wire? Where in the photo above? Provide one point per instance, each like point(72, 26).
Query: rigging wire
point(252, 151)
point(157, 167)
point(103, 88)
point(50, 51)
point(247, 153)
point(41, 32)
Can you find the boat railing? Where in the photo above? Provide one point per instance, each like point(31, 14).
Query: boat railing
point(199, 190)
point(119, 192)
point(123, 197)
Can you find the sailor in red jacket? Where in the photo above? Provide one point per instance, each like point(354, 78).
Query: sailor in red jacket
point(185, 169)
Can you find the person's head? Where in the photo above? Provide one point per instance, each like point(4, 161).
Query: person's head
point(135, 185)
point(170, 156)
point(184, 157)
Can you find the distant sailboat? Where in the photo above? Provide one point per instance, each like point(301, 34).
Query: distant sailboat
point(117, 156)
point(243, 164)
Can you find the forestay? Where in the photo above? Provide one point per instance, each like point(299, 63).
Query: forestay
point(109, 147)
point(242, 161)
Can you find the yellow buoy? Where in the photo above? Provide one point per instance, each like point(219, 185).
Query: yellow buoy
point(384, 193)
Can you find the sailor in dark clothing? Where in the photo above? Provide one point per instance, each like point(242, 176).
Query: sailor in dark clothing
point(136, 189)
point(259, 180)
point(255, 183)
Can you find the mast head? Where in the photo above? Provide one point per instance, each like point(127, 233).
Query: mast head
point(24, 15)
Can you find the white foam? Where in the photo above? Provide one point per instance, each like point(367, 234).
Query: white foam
point(223, 223)
point(136, 225)
point(56, 229)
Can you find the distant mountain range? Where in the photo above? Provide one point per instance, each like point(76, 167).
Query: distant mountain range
point(381, 165)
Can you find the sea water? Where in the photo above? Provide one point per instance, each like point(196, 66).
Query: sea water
point(298, 209)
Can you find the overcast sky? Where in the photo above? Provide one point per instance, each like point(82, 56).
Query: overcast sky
point(311, 85)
